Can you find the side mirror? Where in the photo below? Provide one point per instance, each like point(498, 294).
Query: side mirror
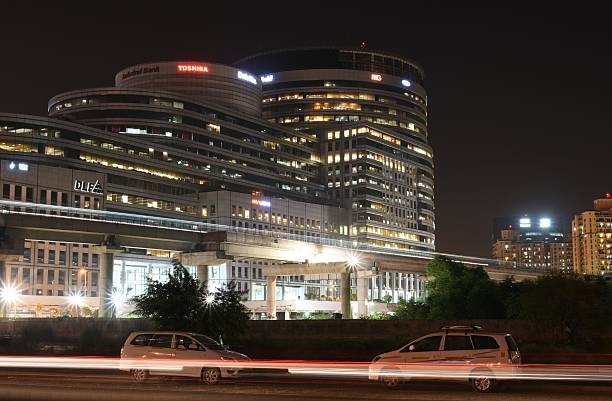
point(411, 348)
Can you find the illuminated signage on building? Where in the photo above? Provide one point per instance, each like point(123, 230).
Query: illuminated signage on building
point(89, 187)
point(140, 71)
point(260, 202)
point(19, 166)
point(545, 222)
point(405, 82)
point(247, 77)
point(376, 77)
point(267, 78)
point(192, 68)
point(525, 222)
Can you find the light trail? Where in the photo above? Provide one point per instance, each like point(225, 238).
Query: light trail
point(449, 371)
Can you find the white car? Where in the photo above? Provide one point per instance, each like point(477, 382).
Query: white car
point(454, 353)
point(168, 353)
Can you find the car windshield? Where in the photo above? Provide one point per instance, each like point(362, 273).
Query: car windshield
point(208, 342)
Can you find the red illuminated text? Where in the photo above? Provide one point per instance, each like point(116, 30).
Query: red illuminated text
point(192, 68)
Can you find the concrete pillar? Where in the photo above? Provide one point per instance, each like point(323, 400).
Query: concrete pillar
point(362, 295)
point(105, 284)
point(271, 297)
point(202, 274)
point(3, 307)
point(345, 295)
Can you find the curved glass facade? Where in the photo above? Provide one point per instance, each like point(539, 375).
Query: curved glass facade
point(369, 112)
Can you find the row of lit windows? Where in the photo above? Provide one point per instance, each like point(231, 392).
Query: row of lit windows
point(377, 134)
point(331, 117)
point(340, 95)
point(119, 98)
point(221, 142)
point(217, 156)
point(364, 109)
point(48, 197)
point(150, 203)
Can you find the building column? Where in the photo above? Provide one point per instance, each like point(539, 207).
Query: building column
point(202, 274)
point(3, 307)
point(345, 295)
point(362, 294)
point(271, 297)
point(105, 279)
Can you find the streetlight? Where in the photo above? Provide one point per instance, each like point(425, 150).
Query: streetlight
point(75, 299)
point(9, 295)
point(353, 259)
point(210, 299)
point(117, 300)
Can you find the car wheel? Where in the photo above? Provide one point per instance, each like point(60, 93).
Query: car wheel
point(140, 375)
point(482, 382)
point(211, 376)
point(389, 380)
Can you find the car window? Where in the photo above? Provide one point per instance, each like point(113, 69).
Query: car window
point(187, 343)
point(141, 339)
point(457, 343)
point(424, 345)
point(208, 342)
point(161, 341)
point(485, 342)
point(511, 344)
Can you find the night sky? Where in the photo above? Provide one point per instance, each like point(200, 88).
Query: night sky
point(519, 98)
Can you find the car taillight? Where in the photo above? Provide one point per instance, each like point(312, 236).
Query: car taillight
point(121, 353)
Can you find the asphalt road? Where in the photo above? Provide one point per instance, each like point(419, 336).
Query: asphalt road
point(69, 386)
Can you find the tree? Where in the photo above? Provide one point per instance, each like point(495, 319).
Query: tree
point(175, 304)
point(459, 292)
point(184, 304)
point(582, 304)
point(226, 315)
point(411, 310)
point(484, 301)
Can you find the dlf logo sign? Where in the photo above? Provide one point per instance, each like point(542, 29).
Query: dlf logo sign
point(89, 187)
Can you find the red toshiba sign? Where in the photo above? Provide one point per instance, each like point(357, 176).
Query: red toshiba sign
point(192, 68)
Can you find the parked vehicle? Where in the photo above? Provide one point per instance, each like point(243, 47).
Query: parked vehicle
point(455, 353)
point(179, 354)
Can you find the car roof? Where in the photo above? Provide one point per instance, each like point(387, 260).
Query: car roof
point(165, 332)
point(472, 332)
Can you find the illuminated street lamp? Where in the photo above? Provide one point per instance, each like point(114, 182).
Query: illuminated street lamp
point(117, 300)
point(210, 299)
point(75, 300)
point(353, 260)
point(9, 295)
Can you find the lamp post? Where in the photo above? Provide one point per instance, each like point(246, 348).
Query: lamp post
point(8, 297)
point(83, 271)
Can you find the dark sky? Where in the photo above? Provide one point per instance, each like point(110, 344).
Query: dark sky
point(519, 97)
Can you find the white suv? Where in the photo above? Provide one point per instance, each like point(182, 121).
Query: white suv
point(179, 354)
point(455, 353)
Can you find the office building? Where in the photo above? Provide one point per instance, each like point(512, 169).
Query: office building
point(198, 142)
point(532, 243)
point(592, 238)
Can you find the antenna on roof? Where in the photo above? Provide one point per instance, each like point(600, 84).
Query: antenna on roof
point(363, 44)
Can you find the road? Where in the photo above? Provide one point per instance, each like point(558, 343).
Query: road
point(69, 386)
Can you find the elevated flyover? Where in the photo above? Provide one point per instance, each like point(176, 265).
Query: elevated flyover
point(204, 244)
